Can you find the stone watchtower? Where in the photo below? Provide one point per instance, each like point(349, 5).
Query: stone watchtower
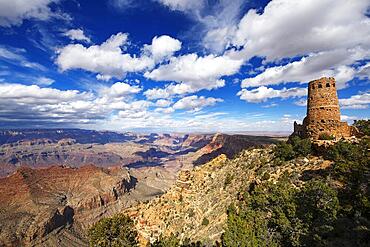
point(323, 114)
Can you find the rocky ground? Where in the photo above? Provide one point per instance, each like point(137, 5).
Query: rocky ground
point(195, 207)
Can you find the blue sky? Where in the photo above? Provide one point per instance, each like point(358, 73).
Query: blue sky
point(178, 65)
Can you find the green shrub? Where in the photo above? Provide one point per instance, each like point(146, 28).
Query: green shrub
point(246, 228)
point(320, 203)
point(205, 222)
point(171, 241)
point(318, 211)
point(268, 209)
point(266, 176)
point(363, 126)
point(279, 215)
point(301, 147)
point(191, 213)
point(284, 151)
point(228, 180)
point(326, 136)
point(345, 151)
point(352, 168)
point(314, 214)
point(117, 231)
point(293, 148)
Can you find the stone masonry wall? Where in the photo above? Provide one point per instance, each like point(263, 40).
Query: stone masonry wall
point(322, 101)
point(323, 113)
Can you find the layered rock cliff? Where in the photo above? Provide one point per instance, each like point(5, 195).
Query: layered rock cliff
point(35, 203)
point(196, 207)
point(55, 206)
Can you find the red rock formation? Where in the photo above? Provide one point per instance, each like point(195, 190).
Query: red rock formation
point(230, 145)
point(34, 202)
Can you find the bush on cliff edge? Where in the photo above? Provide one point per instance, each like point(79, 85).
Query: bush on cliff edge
point(117, 231)
point(292, 149)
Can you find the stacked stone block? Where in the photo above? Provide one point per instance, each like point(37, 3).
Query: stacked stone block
point(323, 113)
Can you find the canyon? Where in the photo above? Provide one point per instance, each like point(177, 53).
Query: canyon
point(56, 183)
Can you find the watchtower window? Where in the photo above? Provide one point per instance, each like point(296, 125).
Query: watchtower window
point(320, 86)
point(313, 86)
point(333, 84)
point(327, 85)
point(322, 120)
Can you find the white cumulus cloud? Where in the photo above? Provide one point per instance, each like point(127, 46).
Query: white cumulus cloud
point(107, 59)
point(163, 47)
point(15, 11)
point(163, 103)
point(120, 89)
point(331, 35)
point(330, 64)
point(110, 59)
point(192, 73)
point(364, 71)
point(289, 28)
point(36, 104)
point(262, 94)
point(358, 101)
point(77, 34)
point(195, 103)
point(23, 93)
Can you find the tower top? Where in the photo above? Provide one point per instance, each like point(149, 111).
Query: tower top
point(323, 82)
point(323, 79)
